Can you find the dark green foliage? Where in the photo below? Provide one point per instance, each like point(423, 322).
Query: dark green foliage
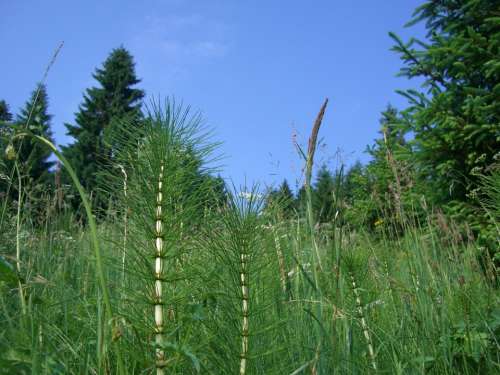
point(328, 195)
point(324, 192)
point(244, 291)
point(33, 157)
point(5, 130)
point(103, 107)
point(218, 195)
point(282, 201)
point(489, 199)
point(456, 122)
point(301, 201)
point(386, 186)
point(491, 193)
point(432, 153)
point(162, 198)
point(241, 288)
point(25, 171)
point(5, 115)
point(360, 209)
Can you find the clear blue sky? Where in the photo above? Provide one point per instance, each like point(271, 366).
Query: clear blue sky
point(259, 70)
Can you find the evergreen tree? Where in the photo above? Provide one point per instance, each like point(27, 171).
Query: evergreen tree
point(354, 184)
point(323, 198)
point(388, 153)
point(281, 200)
point(359, 208)
point(5, 119)
point(301, 201)
point(287, 199)
point(219, 194)
point(115, 101)
point(456, 122)
point(33, 157)
point(5, 115)
point(380, 191)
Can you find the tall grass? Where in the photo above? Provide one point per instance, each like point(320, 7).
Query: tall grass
point(234, 289)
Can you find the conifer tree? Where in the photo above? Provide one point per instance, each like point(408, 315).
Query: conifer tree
point(282, 199)
point(354, 184)
point(5, 119)
point(387, 153)
point(287, 198)
point(301, 201)
point(33, 157)
point(5, 115)
point(380, 191)
point(323, 200)
point(218, 191)
point(114, 101)
point(456, 121)
point(359, 208)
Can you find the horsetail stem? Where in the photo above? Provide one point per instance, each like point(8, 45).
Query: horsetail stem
point(364, 325)
point(244, 302)
point(158, 297)
point(18, 243)
point(281, 260)
point(125, 221)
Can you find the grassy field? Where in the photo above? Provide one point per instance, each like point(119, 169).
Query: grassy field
point(174, 288)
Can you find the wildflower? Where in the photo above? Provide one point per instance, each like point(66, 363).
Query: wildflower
point(248, 195)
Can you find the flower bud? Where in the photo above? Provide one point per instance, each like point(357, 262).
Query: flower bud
point(10, 153)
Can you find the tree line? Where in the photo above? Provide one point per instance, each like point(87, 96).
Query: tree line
point(104, 109)
point(430, 154)
point(435, 153)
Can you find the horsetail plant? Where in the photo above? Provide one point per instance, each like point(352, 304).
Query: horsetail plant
point(354, 264)
point(160, 354)
point(245, 283)
point(125, 221)
point(165, 158)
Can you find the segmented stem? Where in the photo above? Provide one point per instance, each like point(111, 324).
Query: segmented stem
point(281, 260)
point(244, 308)
point(364, 326)
point(125, 222)
point(158, 272)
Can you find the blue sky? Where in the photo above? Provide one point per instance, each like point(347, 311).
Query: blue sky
point(258, 70)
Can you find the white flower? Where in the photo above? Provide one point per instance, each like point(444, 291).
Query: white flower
point(248, 195)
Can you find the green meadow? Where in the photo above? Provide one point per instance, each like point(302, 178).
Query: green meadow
point(126, 253)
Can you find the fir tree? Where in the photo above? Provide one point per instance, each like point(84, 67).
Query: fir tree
point(281, 200)
point(287, 198)
point(33, 157)
point(218, 190)
point(323, 199)
point(5, 119)
point(456, 121)
point(114, 101)
point(300, 201)
point(388, 153)
point(354, 183)
point(359, 208)
point(5, 115)
point(5, 130)
point(380, 191)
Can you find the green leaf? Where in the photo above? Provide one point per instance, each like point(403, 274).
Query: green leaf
point(8, 272)
point(183, 351)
